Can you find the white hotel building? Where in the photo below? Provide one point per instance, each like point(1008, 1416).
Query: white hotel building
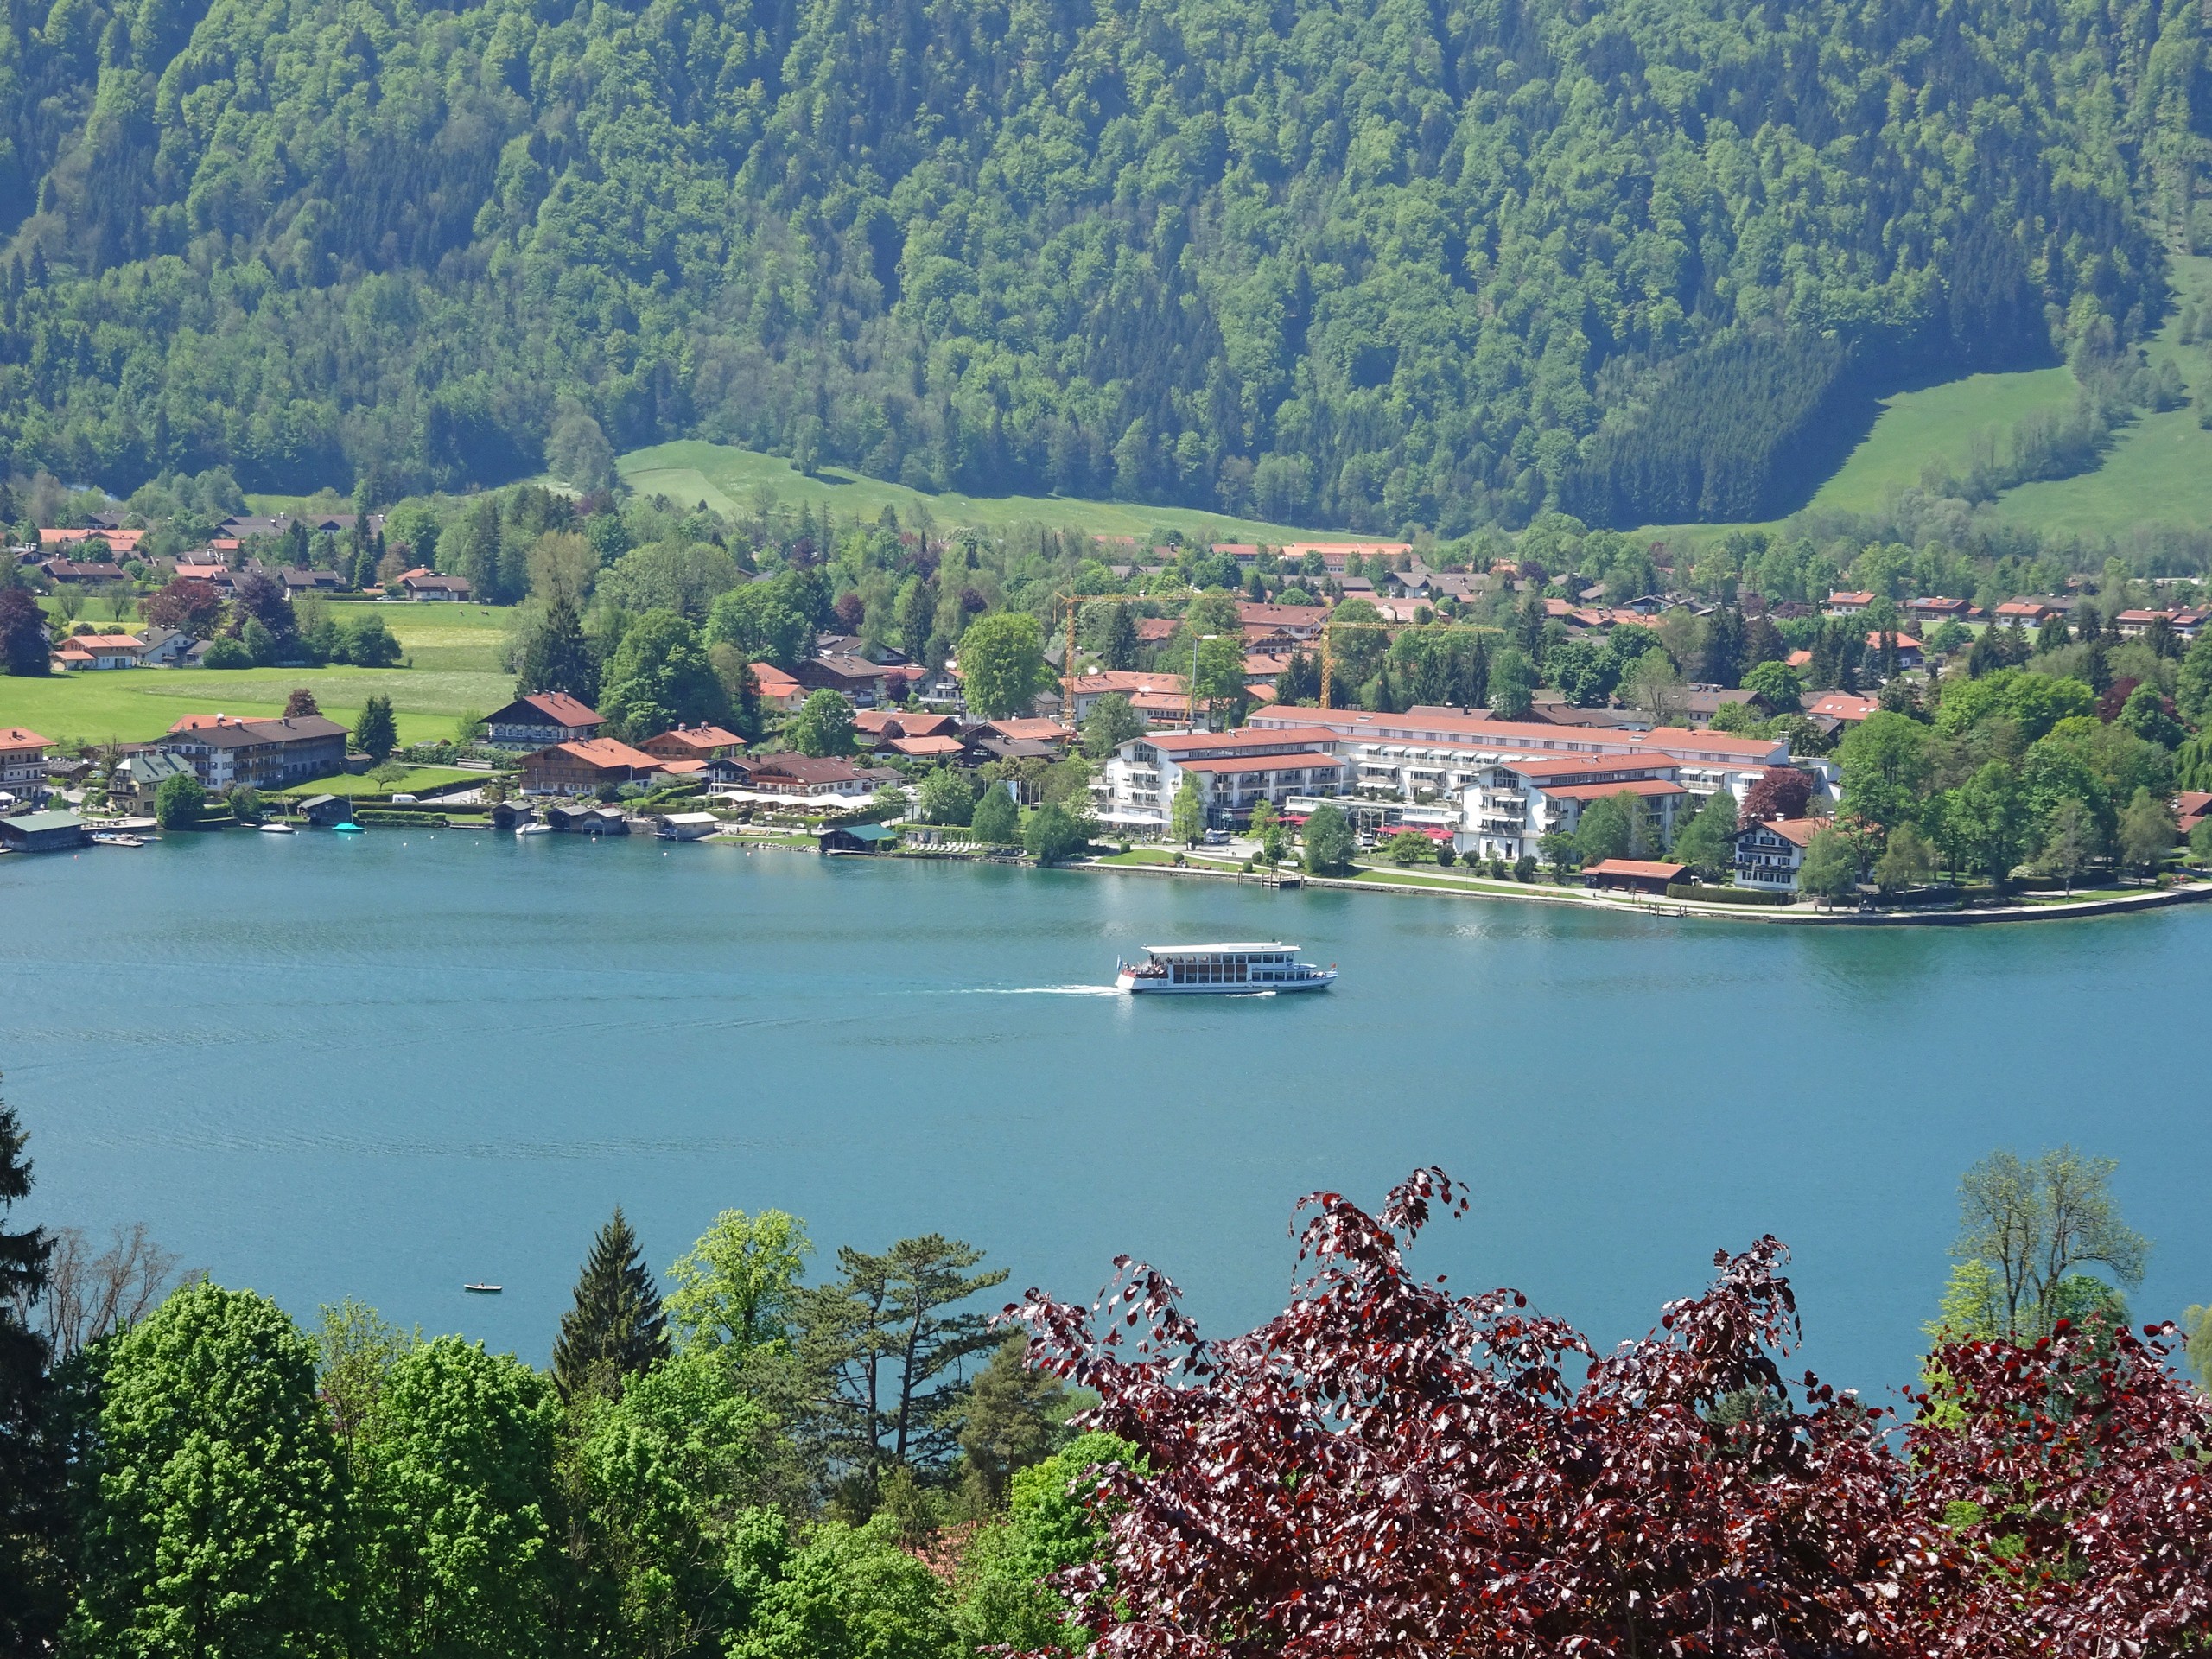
point(1495, 787)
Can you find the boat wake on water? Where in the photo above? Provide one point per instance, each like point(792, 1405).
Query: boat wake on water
point(1037, 990)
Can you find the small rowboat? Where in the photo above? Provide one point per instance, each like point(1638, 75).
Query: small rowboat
point(484, 1290)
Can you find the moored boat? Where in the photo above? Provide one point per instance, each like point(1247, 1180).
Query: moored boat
point(533, 829)
point(1223, 970)
point(484, 1290)
point(115, 838)
point(276, 829)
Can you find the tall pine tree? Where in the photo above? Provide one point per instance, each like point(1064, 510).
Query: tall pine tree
point(30, 1519)
point(616, 1330)
point(558, 658)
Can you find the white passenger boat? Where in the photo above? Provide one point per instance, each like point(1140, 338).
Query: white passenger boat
point(1223, 970)
point(533, 829)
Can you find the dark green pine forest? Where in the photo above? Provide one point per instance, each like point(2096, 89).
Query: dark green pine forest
point(1414, 262)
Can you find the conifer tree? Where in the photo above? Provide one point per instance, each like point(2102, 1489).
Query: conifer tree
point(558, 658)
point(28, 1515)
point(1120, 649)
point(617, 1329)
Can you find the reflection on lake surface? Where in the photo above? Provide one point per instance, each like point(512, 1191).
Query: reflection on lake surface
point(387, 1065)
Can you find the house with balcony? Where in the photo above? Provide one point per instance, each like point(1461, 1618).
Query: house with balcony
point(1768, 855)
point(1516, 803)
point(1135, 790)
point(225, 753)
point(22, 763)
point(542, 719)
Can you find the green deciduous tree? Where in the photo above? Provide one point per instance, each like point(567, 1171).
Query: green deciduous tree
point(456, 1507)
point(1707, 843)
point(217, 1514)
point(1112, 722)
point(736, 1290)
point(664, 1484)
point(2070, 841)
point(179, 801)
point(1002, 663)
point(1186, 812)
point(1512, 684)
point(1886, 768)
point(2034, 1223)
point(2146, 832)
point(658, 677)
point(1053, 833)
point(1990, 810)
point(849, 1592)
point(1054, 1520)
point(765, 621)
point(1561, 851)
point(822, 726)
point(376, 734)
point(1907, 861)
point(1777, 686)
point(1329, 841)
point(996, 821)
point(946, 796)
point(1830, 869)
point(617, 1329)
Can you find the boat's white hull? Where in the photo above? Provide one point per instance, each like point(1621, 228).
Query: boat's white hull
point(1150, 987)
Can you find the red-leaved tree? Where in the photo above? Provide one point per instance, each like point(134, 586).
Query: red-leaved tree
point(187, 605)
point(1778, 792)
point(1385, 1469)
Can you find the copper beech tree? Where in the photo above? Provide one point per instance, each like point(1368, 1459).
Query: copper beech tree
point(1388, 1469)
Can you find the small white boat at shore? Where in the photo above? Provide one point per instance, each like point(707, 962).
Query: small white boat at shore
point(533, 829)
point(115, 838)
point(276, 829)
point(1222, 970)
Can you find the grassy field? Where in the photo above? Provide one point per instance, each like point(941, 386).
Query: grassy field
point(1918, 427)
point(2158, 471)
point(417, 778)
point(726, 478)
point(132, 705)
point(463, 638)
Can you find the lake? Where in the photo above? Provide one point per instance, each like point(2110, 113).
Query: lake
point(382, 1066)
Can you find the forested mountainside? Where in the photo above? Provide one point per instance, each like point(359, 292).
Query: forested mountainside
point(1443, 262)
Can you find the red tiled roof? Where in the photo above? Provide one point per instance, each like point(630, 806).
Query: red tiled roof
point(16, 738)
point(1249, 737)
point(564, 710)
point(1843, 705)
point(1304, 760)
point(1646, 786)
point(1800, 830)
point(1905, 641)
point(923, 748)
point(1633, 867)
point(1569, 764)
point(608, 752)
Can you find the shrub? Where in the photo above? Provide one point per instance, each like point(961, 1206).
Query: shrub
point(1726, 895)
point(226, 653)
point(178, 802)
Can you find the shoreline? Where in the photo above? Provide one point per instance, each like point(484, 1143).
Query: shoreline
point(1683, 909)
point(1640, 904)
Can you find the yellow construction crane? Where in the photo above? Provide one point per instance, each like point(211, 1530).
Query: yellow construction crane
point(1073, 602)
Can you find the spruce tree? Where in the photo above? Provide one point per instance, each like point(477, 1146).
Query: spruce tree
point(558, 658)
point(31, 1518)
point(1120, 650)
point(616, 1330)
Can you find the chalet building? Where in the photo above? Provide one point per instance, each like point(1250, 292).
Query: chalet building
point(23, 762)
point(776, 688)
point(225, 753)
point(1298, 623)
point(422, 583)
point(136, 778)
point(693, 743)
point(860, 681)
point(587, 764)
point(1768, 855)
point(542, 719)
point(802, 774)
point(1935, 608)
point(2028, 612)
point(1846, 604)
point(98, 650)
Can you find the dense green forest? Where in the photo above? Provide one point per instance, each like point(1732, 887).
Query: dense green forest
point(1444, 265)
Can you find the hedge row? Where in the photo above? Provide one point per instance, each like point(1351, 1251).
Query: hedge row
point(1727, 895)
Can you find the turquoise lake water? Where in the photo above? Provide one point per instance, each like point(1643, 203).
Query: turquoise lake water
point(384, 1066)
